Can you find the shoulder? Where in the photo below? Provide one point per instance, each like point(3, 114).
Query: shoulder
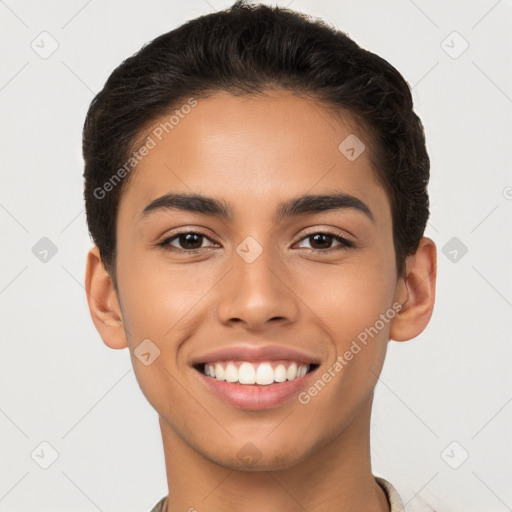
point(159, 507)
point(395, 502)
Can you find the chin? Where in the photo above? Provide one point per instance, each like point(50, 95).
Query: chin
point(250, 458)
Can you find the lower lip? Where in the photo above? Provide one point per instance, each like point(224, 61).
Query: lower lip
point(255, 397)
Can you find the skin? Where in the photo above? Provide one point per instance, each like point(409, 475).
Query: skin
point(253, 153)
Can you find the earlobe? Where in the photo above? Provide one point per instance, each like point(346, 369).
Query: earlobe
point(416, 292)
point(103, 303)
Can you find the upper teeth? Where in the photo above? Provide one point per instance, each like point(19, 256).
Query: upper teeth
point(255, 373)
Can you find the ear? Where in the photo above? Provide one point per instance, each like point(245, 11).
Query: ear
point(103, 303)
point(416, 292)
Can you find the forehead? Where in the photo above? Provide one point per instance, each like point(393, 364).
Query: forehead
point(254, 150)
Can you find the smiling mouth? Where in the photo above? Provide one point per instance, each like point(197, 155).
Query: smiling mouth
point(263, 373)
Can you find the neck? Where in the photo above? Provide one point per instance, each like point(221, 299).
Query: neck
point(337, 477)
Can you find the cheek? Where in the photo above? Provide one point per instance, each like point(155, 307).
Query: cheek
point(158, 304)
point(158, 298)
point(350, 300)
point(352, 296)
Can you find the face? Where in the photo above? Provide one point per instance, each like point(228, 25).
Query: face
point(248, 283)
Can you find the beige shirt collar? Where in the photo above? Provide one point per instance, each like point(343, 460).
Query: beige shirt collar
point(395, 502)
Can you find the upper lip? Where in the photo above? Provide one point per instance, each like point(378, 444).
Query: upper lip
point(255, 354)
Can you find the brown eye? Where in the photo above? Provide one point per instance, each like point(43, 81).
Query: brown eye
point(322, 241)
point(190, 241)
point(186, 241)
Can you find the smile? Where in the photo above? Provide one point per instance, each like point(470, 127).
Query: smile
point(255, 386)
point(263, 373)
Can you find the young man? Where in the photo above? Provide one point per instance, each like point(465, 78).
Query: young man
point(256, 189)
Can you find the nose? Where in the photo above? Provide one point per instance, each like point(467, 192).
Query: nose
point(257, 293)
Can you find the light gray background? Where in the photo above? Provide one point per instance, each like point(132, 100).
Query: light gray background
point(60, 384)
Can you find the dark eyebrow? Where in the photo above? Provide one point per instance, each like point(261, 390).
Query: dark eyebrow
point(190, 203)
point(218, 208)
point(321, 203)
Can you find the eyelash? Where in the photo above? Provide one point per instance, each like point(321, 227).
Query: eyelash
point(165, 244)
